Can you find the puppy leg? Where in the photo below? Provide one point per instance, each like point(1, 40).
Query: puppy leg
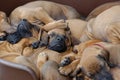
point(42, 58)
point(55, 24)
point(113, 33)
point(42, 15)
point(66, 70)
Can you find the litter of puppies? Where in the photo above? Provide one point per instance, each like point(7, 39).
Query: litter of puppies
point(52, 40)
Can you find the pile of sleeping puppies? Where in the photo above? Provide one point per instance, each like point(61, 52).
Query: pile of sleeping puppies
point(54, 41)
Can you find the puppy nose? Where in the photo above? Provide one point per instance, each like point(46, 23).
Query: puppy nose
point(24, 19)
point(12, 41)
point(59, 39)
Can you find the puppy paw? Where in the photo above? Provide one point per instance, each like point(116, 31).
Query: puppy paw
point(42, 58)
point(65, 61)
point(65, 70)
point(60, 24)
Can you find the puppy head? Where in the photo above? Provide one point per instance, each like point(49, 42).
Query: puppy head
point(24, 28)
point(59, 40)
point(96, 67)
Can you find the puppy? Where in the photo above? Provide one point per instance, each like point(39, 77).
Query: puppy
point(50, 72)
point(103, 28)
point(101, 8)
point(69, 62)
point(97, 60)
point(24, 30)
point(62, 31)
point(38, 12)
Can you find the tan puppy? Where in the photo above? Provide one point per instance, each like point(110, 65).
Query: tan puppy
point(69, 62)
point(41, 55)
point(104, 27)
point(101, 8)
point(71, 30)
point(44, 11)
point(97, 59)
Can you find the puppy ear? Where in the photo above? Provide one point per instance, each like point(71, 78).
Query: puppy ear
point(105, 56)
point(43, 38)
point(68, 36)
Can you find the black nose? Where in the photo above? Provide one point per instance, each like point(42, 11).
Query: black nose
point(59, 39)
point(13, 41)
point(24, 19)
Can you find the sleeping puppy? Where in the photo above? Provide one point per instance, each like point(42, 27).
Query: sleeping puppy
point(70, 61)
point(49, 71)
point(59, 34)
point(101, 8)
point(97, 60)
point(72, 31)
point(25, 30)
point(42, 11)
point(104, 27)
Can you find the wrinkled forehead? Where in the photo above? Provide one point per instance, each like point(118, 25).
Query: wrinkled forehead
point(57, 31)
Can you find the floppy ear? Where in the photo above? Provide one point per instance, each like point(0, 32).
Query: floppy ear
point(68, 36)
point(43, 38)
point(105, 56)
